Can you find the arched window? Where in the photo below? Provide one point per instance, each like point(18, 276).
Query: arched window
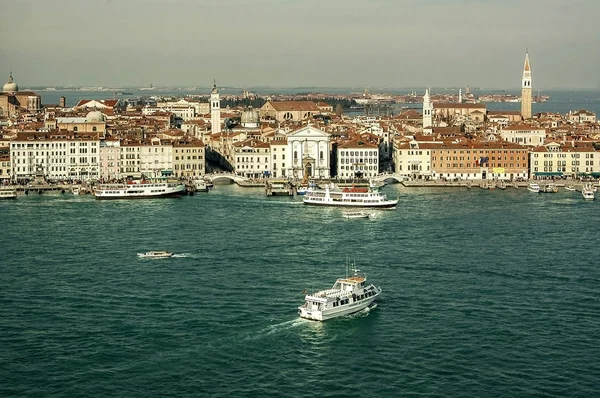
point(94, 128)
point(75, 128)
point(295, 154)
point(321, 155)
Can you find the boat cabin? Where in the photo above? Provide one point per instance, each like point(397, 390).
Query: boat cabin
point(349, 284)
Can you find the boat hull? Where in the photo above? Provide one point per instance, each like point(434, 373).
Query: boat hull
point(382, 205)
point(140, 191)
point(336, 312)
point(166, 195)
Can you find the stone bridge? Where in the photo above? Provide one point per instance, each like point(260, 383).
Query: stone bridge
point(213, 177)
point(391, 177)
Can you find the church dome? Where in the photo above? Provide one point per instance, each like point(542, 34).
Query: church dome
point(94, 116)
point(10, 86)
point(250, 118)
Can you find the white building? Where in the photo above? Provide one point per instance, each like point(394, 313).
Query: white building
point(278, 160)
point(554, 159)
point(110, 158)
point(308, 151)
point(156, 158)
point(130, 159)
point(413, 159)
point(357, 159)
point(185, 112)
point(252, 158)
point(523, 134)
point(57, 156)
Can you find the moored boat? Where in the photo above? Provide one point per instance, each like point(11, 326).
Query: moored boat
point(140, 190)
point(533, 187)
point(363, 197)
point(347, 296)
point(548, 188)
point(587, 191)
point(8, 193)
point(199, 186)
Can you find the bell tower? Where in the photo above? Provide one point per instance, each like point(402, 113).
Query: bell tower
point(215, 109)
point(526, 89)
point(427, 113)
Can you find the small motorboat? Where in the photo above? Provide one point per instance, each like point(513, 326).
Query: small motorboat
point(155, 254)
point(355, 214)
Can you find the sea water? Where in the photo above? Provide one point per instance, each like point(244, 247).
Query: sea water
point(485, 293)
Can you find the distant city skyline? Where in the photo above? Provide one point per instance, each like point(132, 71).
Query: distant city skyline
point(283, 44)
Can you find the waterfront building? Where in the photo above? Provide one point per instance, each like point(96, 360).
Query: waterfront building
point(252, 158)
point(110, 158)
point(278, 146)
point(357, 159)
point(189, 158)
point(524, 134)
point(156, 158)
point(427, 113)
point(413, 158)
point(473, 160)
point(130, 158)
point(289, 111)
point(215, 110)
point(56, 155)
point(5, 166)
point(567, 159)
point(309, 151)
point(13, 101)
point(526, 95)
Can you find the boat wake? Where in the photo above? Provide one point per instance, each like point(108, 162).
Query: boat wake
point(277, 328)
point(182, 255)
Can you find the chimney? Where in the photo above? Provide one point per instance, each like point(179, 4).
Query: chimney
point(62, 102)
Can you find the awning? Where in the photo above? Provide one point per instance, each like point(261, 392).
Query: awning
point(548, 173)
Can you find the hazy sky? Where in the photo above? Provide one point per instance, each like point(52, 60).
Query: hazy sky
point(290, 43)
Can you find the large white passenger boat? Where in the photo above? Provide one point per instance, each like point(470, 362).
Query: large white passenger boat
point(140, 190)
point(8, 193)
point(347, 296)
point(349, 197)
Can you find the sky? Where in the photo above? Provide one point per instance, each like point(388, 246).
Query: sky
point(301, 43)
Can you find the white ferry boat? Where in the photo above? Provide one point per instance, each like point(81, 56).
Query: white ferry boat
point(155, 254)
point(140, 190)
point(349, 197)
point(347, 296)
point(8, 193)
